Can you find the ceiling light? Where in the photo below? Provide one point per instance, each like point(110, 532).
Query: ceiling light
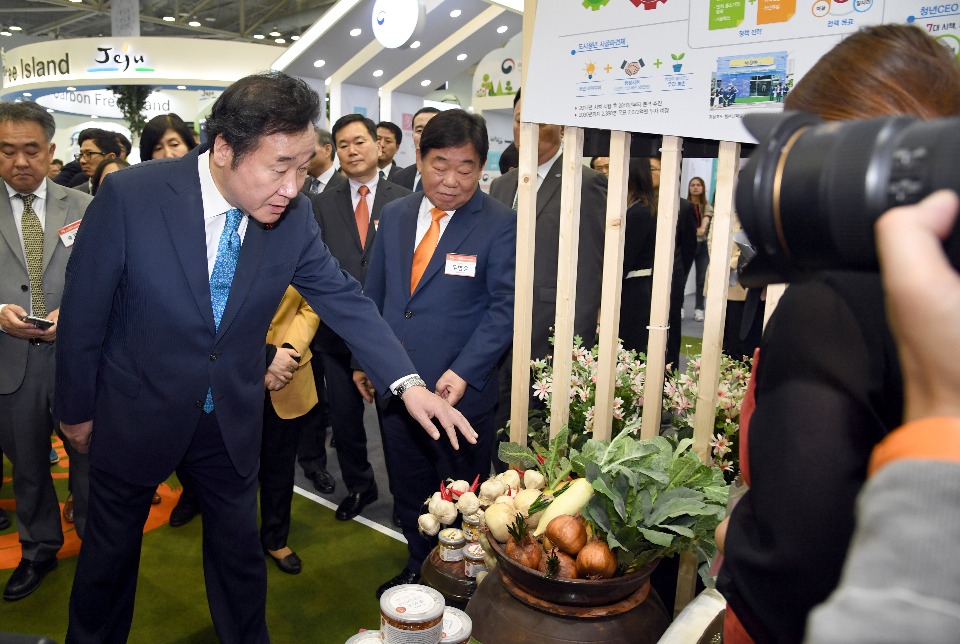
point(424, 82)
point(275, 34)
point(27, 94)
point(455, 13)
point(76, 1)
point(15, 28)
point(50, 109)
point(71, 89)
point(327, 82)
point(5, 33)
point(462, 57)
point(414, 44)
point(294, 38)
point(210, 19)
point(194, 23)
point(319, 63)
point(501, 29)
point(169, 19)
point(94, 116)
point(355, 32)
point(280, 41)
point(18, 100)
point(378, 73)
point(258, 36)
point(181, 87)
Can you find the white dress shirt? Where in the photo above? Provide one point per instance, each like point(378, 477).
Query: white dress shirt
point(215, 209)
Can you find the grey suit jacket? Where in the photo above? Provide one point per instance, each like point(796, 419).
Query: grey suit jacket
point(333, 210)
point(64, 206)
point(593, 204)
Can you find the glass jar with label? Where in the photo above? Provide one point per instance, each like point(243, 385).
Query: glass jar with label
point(411, 614)
point(457, 626)
point(471, 528)
point(366, 637)
point(473, 562)
point(451, 544)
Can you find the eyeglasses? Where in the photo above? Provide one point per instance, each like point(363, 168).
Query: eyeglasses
point(87, 154)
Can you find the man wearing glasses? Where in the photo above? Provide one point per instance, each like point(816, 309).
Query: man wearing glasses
point(95, 146)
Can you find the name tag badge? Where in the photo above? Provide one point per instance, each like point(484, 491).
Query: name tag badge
point(69, 233)
point(461, 265)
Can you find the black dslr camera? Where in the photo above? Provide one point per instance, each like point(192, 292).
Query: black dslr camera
point(812, 190)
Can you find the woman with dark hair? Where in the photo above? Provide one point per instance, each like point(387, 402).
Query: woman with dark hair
point(639, 244)
point(166, 137)
point(697, 195)
point(107, 166)
point(828, 383)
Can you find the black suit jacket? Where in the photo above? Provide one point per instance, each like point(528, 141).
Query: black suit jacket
point(335, 180)
point(333, 210)
point(405, 177)
point(593, 207)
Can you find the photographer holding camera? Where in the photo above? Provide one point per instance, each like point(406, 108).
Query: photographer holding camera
point(828, 385)
point(900, 583)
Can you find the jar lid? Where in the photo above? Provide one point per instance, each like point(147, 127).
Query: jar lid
point(366, 637)
point(457, 626)
point(472, 519)
point(412, 604)
point(451, 535)
point(473, 551)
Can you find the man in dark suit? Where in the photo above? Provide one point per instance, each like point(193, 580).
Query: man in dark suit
point(409, 177)
point(343, 213)
point(593, 205)
point(321, 174)
point(389, 136)
point(33, 260)
point(442, 274)
point(95, 146)
point(168, 300)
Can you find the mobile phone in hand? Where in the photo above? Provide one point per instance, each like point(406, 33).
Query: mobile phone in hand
point(40, 323)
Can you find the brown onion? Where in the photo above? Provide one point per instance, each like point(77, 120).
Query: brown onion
point(526, 552)
point(564, 568)
point(567, 534)
point(596, 561)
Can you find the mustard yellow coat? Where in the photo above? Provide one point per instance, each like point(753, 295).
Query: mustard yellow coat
point(295, 324)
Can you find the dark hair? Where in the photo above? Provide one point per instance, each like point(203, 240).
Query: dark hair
point(394, 128)
point(97, 175)
point(516, 98)
point(124, 143)
point(884, 70)
point(105, 140)
point(424, 110)
point(347, 119)
point(325, 138)
point(509, 159)
point(29, 111)
point(261, 105)
point(56, 162)
point(640, 184)
point(154, 130)
point(702, 199)
point(454, 128)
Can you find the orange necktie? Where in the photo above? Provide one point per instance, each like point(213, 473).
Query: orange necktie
point(421, 256)
point(362, 214)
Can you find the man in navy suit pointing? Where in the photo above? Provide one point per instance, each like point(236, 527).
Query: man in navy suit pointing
point(175, 275)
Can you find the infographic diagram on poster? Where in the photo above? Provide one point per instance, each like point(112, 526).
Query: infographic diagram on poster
point(694, 68)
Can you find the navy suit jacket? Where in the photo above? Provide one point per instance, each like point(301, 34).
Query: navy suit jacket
point(137, 345)
point(449, 322)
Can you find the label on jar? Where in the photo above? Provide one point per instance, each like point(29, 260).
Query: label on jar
point(394, 635)
point(412, 602)
point(451, 625)
point(450, 554)
point(473, 568)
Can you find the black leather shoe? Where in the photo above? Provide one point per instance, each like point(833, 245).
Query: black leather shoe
point(290, 564)
point(405, 577)
point(4, 520)
point(183, 512)
point(356, 502)
point(27, 577)
point(323, 481)
point(396, 518)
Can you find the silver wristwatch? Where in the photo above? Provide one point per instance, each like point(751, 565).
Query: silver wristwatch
point(406, 383)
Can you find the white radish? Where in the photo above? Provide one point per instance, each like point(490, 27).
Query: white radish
point(577, 495)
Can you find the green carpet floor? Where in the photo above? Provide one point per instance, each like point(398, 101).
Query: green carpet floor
point(329, 601)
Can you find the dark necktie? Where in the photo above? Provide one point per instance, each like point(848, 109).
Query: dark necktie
point(419, 186)
point(33, 244)
point(424, 251)
point(362, 214)
point(224, 266)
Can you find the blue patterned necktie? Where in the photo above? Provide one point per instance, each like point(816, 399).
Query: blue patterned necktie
point(224, 266)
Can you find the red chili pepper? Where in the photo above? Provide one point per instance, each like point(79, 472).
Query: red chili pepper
point(445, 493)
point(540, 459)
point(476, 483)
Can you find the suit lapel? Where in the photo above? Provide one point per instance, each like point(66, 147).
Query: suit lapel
point(408, 238)
point(550, 185)
point(251, 252)
point(345, 203)
point(183, 215)
point(8, 229)
point(54, 220)
point(464, 220)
